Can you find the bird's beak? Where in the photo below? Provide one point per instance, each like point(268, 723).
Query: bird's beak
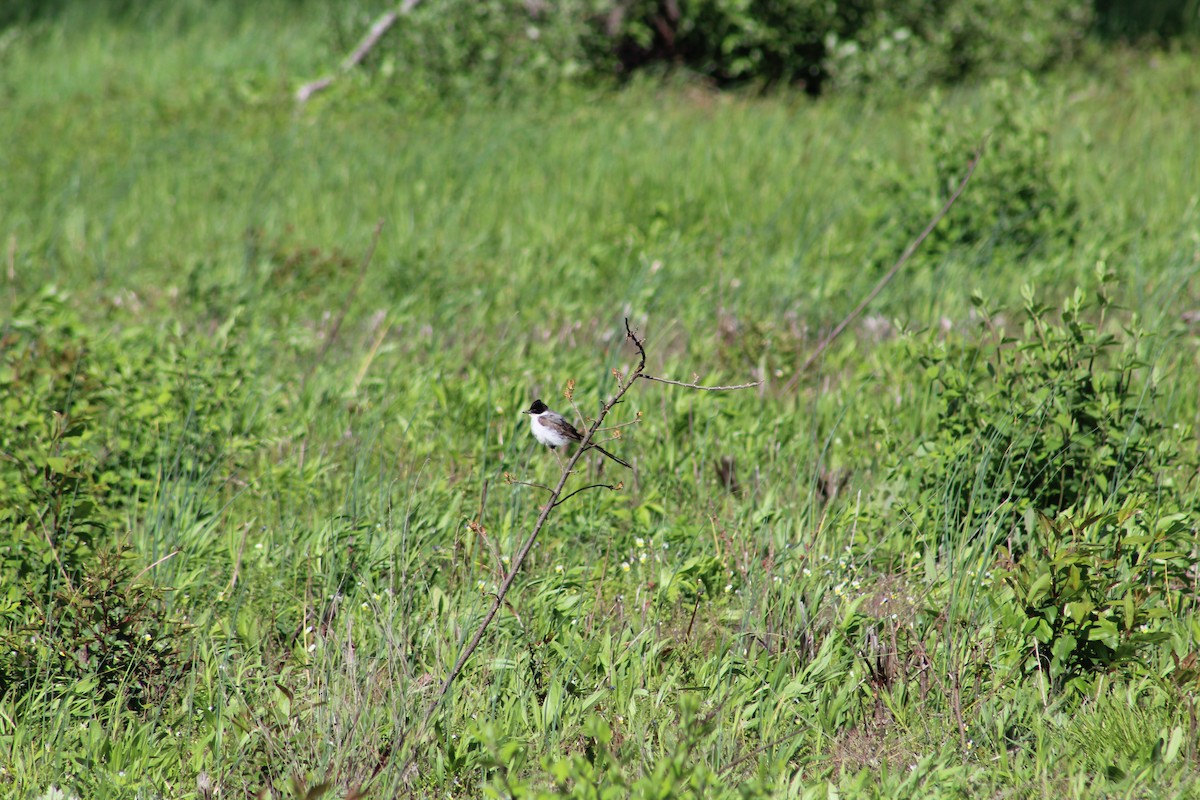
point(525, 411)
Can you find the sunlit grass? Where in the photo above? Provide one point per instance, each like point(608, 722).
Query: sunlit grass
point(736, 605)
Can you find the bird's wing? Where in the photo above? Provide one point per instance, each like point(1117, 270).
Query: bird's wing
point(560, 424)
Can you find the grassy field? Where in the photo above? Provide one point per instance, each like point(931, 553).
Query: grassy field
point(260, 488)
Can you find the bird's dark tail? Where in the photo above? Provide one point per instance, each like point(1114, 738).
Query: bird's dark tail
point(624, 464)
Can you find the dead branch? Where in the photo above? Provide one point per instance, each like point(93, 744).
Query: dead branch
point(640, 371)
point(702, 388)
point(378, 29)
point(543, 487)
point(611, 486)
point(891, 273)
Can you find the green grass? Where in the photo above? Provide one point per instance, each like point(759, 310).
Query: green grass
point(295, 522)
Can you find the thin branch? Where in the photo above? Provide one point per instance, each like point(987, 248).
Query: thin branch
point(702, 388)
point(687, 637)
point(469, 650)
point(569, 394)
point(891, 273)
point(641, 367)
point(378, 29)
point(613, 487)
point(515, 482)
point(640, 372)
point(636, 421)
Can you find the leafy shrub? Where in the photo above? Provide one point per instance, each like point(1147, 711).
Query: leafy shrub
point(107, 630)
point(90, 431)
point(90, 426)
point(451, 46)
point(734, 40)
point(457, 47)
point(49, 476)
point(918, 44)
point(857, 43)
point(1040, 422)
point(1137, 19)
point(1096, 591)
point(1046, 461)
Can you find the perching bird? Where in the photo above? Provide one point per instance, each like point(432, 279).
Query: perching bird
point(552, 429)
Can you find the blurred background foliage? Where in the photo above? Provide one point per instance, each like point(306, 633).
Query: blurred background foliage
point(449, 45)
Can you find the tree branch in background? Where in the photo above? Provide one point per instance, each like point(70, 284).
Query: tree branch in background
point(891, 273)
point(378, 29)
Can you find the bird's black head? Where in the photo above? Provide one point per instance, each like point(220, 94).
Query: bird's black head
point(537, 408)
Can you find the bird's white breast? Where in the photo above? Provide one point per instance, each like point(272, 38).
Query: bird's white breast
point(546, 435)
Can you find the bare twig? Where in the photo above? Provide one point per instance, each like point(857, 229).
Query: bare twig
point(635, 421)
point(891, 273)
point(542, 486)
point(569, 394)
point(614, 487)
point(687, 636)
point(698, 386)
point(499, 598)
point(555, 494)
point(378, 29)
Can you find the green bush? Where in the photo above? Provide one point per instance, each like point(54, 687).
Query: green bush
point(458, 47)
point(1096, 591)
point(736, 40)
point(91, 425)
point(91, 430)
point(106, 632)
point(1041, 422)
point(449, 46)
point(1046, 460)
point(1138, 19)
point(945, 42)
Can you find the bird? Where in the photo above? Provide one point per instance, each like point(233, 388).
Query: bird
point(552, 429)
